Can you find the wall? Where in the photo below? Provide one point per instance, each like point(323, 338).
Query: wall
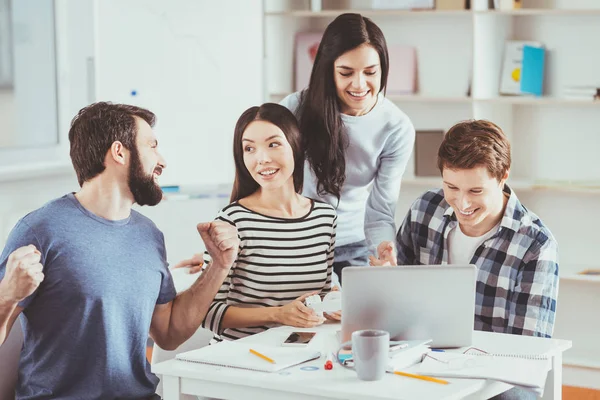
point(196, 64)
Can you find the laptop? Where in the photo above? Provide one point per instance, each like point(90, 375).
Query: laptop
point(411, 302)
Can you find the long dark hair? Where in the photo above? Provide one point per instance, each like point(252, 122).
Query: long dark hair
point(320, 121)
point(244, 184)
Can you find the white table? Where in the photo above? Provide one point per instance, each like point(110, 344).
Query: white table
point(180, 377)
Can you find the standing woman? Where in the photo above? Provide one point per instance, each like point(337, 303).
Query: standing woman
point(357, 142)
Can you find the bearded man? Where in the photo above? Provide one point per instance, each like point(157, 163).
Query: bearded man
point(89, 275)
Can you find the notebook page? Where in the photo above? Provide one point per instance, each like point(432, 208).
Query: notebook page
point(525, 372)
point(237, 355)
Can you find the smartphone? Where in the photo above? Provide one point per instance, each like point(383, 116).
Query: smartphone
point(299, 339)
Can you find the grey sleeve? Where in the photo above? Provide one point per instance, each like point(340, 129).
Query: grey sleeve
point(381, 204)
point(167, 286)
point(291, 102)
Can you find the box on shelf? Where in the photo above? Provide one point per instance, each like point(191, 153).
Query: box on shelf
point(427, 144)
point(590, 272)
point(307, 45)
point(402, 76)
point(582, 92)
point(451, 4)
point(507, 5)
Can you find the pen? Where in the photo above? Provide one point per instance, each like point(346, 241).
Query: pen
point(329, 363)
point(398, 346)
point(425, 378)
point(256, 353)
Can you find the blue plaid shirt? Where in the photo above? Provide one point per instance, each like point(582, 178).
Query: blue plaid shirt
point(517, 267)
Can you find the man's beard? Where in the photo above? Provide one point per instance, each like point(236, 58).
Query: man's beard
point(143, 187)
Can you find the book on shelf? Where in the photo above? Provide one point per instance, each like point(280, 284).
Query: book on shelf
point(506, 5)
point(445, 5)
point(403, 4)
point(582, 92)
point(427, 144)
point(592, 272)
point(532, 70)
point(307, 44)
point(513, 64)
point(402, 75)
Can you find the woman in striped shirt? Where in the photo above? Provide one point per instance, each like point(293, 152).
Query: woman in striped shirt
point(286, 240)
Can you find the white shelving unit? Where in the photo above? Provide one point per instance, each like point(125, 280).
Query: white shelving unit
point(555, 140)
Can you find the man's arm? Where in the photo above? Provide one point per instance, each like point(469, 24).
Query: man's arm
point(533, 303)
point(22, 277)
point(175, 322)
point(9, 312)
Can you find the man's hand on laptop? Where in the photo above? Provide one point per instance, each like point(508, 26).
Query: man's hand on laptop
point(386, 252)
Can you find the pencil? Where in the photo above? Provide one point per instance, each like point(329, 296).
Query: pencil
point(256, 353)
point(425, 378)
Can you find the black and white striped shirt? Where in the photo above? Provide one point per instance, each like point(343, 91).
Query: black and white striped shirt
point(280, 259)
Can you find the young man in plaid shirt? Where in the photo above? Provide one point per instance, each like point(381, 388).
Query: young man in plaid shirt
point(477, 219)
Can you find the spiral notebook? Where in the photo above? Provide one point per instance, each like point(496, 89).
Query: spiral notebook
point(529, 371)
point(238, 355)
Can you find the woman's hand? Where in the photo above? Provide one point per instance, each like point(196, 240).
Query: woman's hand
point(386, 252)
point(297, 314)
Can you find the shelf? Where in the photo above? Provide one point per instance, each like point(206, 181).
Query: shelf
point(35, 171)
point(515, 100)
point(367, 13)
point(540, 11)
point(416, 98)
point(580, 278)
point(372, 12)
point(572, 273)
point(581, 362)
point(528, 100)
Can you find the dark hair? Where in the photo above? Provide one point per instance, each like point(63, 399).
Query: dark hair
point(244, 184)
point(474, 143)
point(319, 116)
point(95, 128)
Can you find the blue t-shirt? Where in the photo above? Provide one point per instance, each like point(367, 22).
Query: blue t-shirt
point(85, 328)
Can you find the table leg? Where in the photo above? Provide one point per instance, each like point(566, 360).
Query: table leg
point(553, 389)
point(171, 388)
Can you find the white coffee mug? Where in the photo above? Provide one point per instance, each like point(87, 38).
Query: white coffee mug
point(370, 353)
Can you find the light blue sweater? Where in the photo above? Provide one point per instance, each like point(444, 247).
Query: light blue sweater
point(380, 145)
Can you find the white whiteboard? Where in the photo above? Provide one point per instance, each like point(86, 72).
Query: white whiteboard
point(197, 64)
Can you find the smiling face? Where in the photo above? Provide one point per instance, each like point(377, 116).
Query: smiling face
point(268, 155)
point(476, 197)
point(357, 75)
point(145, 166)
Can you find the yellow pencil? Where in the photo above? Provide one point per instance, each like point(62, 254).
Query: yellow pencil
point(425, 378)
point(256, 353)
